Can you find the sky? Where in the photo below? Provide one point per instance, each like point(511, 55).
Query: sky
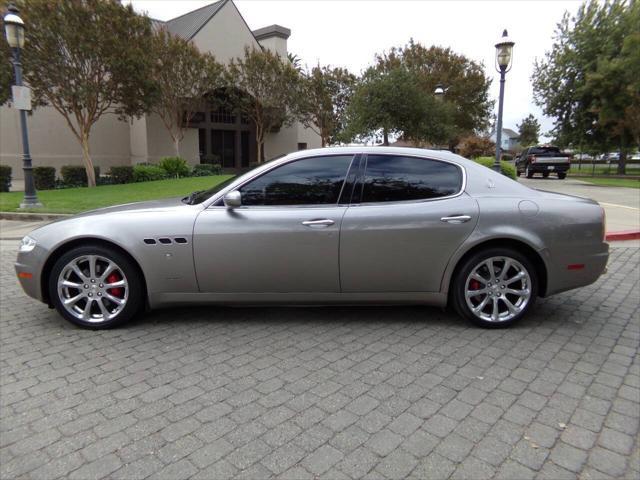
point(348, 33)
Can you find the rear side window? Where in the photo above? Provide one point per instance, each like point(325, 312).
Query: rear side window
point(311, 181)
point(394, 178)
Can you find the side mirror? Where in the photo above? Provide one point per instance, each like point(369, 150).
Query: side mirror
point(233, 199)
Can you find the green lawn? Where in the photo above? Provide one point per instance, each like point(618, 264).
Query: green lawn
point(611, 182)
point(74, 200)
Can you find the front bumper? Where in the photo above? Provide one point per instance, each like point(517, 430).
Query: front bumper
point(28, 268)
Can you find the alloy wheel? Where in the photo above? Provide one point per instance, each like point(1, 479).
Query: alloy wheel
point(498, 289)
point(93, 288)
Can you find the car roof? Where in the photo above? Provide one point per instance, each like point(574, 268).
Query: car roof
point(435, 154)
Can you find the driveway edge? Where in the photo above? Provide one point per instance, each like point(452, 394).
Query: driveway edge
point(623, 235)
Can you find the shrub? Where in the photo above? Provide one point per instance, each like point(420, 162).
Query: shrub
point(507, 169)
point(5, 178)
point(148, 173)
point(121, 174)
point(76, 175)
point(474, 147)
point(44, 178)
point(175, 166)
point(205, 170)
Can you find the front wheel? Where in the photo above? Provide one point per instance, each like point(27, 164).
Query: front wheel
point(95, 287)
point(495, 288)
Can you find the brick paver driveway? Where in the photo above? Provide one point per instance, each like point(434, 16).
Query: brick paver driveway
point(330, 393)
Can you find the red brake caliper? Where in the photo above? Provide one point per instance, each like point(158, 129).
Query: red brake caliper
point(118, 291)
point(474, 284)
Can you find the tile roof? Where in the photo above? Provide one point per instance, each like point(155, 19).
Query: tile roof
point(187, 25)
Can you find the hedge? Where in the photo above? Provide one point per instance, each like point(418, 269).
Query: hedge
point(148, 173)
point(76, 176)
point(506, 168)
point(5, 178)
point(174, 166)
point(44, 178)
point(205, 170)
point(121, 174)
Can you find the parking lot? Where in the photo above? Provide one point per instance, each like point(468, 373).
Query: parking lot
point(327, 392)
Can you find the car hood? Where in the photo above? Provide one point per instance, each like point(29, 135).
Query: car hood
point(137, 207)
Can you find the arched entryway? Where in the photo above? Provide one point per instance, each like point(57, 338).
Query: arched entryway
point(225, 137)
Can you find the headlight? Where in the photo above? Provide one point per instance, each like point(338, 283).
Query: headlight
point(27, 244)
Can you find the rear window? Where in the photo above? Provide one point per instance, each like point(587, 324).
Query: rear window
point(545, 151)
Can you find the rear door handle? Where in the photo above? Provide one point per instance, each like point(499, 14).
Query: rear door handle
point(456, 219)
point(325, 222)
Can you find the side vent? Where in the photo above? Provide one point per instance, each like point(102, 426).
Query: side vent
point(149, 241)
point(180, 240)
point(164, 240)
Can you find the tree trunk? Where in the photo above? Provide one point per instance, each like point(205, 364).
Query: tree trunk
point(385, 138)
point(86, 159)
point(259, 142)
point(176, 146)
point(622, 162)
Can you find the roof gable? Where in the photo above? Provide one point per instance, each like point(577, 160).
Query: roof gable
point(186, 26)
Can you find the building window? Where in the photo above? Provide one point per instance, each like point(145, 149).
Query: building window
point(302, 146)
point(223, 115)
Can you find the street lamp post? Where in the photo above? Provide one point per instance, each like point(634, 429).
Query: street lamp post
point(504, 55)
point(14, 31)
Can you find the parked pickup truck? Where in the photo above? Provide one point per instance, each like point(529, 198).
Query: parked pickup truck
point(545, 160)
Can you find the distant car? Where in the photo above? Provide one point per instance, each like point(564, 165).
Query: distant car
point(545, 160)
point(346, 225)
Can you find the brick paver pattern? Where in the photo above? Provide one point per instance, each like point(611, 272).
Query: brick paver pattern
point(345, 392)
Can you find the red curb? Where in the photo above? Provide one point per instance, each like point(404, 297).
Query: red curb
point(623, 235)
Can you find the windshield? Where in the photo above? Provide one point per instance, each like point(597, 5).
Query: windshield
point(202, 195)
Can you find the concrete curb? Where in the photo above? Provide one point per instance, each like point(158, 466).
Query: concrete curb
point(32, 216)
point(623, 235)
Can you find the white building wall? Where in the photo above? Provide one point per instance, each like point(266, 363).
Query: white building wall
point(160, 143)
point(53, 144)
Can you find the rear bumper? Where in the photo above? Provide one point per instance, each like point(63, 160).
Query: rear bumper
point(569, 270)
point(543, 168)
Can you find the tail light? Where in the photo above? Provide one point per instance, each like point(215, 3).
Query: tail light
point(531, 158)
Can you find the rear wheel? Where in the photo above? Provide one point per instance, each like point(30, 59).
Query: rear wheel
point(495, 288)
point(528, 172)
point(95, 287)
point(562, 175)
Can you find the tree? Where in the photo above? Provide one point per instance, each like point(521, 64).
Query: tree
point(328, 92)
point(266, 89)
point(6, 71)
point(466, 82)
point(391, 102)
point(295, 61)
point(87, 58)
point(474, 147)
point(182, 77)
point(529, 131)
point(589, 81)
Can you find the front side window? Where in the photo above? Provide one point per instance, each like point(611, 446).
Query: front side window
point(311, 181)
point(395, 178)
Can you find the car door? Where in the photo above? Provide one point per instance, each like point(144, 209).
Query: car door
point(412, 217)
point(285, 236)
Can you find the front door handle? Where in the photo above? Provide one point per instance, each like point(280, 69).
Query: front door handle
point(325, 222)
point(456, 219)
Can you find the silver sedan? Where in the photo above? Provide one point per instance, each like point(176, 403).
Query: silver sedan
point(336, 225)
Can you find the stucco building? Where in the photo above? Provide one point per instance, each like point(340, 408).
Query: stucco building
point(218, 28)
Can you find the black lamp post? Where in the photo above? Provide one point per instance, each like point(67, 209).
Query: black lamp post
point(14, 31)
point(504, 54)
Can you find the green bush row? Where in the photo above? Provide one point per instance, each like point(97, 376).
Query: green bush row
point(506, 168)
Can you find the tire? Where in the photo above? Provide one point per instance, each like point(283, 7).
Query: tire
point(518, 173)
point(486, 317)
point(71, 277)
point(562, 175)
point(528, 173)
point(545, 175)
